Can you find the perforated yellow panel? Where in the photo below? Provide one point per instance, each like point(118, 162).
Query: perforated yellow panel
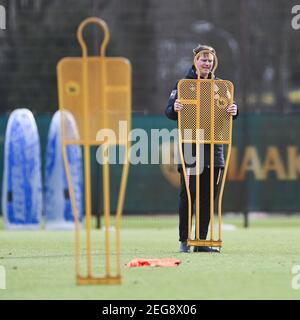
point(108, 94)
point(204, 107)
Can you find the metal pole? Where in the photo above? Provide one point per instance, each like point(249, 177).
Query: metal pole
point(243, 89)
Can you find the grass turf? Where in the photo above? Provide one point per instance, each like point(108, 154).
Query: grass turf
point(255, 263)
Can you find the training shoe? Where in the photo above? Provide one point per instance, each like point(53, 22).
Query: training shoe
point(205, 249)
point(184, 247)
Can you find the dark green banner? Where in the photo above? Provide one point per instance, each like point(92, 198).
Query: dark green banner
point(263, 173)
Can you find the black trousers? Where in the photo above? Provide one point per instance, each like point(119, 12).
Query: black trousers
point(204, 201)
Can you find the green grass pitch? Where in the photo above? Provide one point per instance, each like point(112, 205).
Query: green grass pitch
point(255, 263)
